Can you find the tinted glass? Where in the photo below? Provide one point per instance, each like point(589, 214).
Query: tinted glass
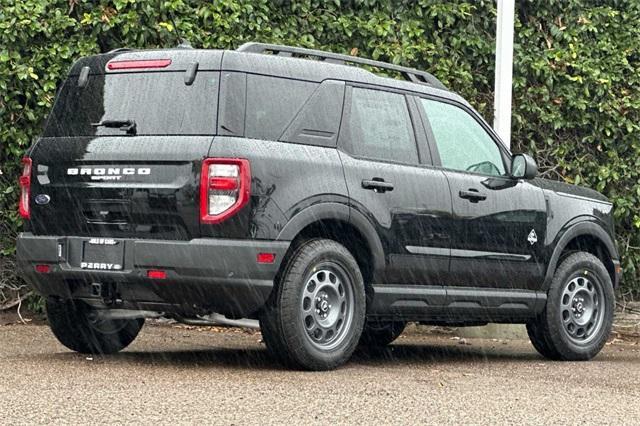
point(272, 103)
point(380, 126)
point(159, 103)
point(462, 142)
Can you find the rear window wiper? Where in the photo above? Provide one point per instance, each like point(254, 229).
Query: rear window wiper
point(128, 126)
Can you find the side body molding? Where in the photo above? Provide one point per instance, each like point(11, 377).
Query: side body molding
point(341, 212)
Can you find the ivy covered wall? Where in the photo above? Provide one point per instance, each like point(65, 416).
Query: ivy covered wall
point(576, 71)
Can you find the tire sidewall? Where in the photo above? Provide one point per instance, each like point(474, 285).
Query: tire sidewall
point(295, 333)
point(592, 268)
point(70, 323)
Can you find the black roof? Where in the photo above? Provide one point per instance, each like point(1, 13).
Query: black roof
point(296, 63)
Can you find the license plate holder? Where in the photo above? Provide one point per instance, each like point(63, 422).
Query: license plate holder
point(105, 254)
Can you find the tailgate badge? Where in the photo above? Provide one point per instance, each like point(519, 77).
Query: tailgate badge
point(42, 199)
point(108, 173)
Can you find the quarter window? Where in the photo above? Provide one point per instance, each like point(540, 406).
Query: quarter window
point(463, 144)
point(272, 103)
point(380, 126)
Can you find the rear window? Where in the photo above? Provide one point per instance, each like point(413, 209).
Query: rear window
point(159, 103)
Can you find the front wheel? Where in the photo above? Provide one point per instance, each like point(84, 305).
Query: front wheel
point(77, 327)
point(316, 317)
point(578, 317)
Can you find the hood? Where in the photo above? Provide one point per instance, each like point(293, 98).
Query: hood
point(562, 188)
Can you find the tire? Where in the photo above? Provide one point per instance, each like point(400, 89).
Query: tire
point(578, 316)
point(73, 326)
point(316, 315)
point(381, 333)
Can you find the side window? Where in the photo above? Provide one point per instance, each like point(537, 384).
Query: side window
point(463, 144)
point(380, 126)
point(272, 103)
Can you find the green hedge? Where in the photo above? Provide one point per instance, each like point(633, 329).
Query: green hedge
point(576, 82)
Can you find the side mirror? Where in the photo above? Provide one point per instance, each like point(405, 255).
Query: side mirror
point(523, 166)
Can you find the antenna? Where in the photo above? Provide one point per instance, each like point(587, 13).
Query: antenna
point(182, 43)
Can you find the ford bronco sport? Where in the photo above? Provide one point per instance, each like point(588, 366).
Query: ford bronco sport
point(298, 188)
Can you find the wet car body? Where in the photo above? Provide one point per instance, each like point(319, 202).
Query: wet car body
point(435, 245)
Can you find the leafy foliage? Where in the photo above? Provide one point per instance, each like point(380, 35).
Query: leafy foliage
point(576, 70)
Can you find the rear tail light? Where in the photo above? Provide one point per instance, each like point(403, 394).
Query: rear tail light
point(225, 186)
point(25, 188)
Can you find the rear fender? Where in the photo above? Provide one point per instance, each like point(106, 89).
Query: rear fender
point(336, 211)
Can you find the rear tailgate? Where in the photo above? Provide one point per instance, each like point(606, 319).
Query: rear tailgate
point(140, 187)
point(95, 179)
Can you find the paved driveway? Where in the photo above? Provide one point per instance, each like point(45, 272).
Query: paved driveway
point(182, 375)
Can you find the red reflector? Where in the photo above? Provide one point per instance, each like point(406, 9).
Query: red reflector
point(148, 63)
point(223, 183)
point(25, 188)
point(266, 257)
point(43, 269)
point(156, 274)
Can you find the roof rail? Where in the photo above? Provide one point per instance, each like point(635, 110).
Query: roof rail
point(120, 49)
point(409, 74)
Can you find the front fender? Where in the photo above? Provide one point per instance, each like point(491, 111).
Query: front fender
point(571, 231)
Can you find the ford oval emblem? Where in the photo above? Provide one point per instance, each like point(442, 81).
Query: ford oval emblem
point(42, 199)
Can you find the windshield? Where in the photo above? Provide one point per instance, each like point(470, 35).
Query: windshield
point(159, 103)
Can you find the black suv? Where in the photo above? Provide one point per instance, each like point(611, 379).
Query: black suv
point(298, 188)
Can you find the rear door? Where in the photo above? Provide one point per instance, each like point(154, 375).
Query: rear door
point(499, 223)
point(102, 179)
point(408, 203)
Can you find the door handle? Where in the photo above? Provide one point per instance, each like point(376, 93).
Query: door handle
point(377, 185)
point(472, 195)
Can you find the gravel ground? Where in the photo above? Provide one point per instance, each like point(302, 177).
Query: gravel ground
point(181, 375)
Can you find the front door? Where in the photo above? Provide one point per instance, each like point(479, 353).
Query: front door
point(499, 223)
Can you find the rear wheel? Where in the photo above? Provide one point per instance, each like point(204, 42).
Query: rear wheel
point(315, 320)
point(76, 326)
point(381, 333)
point(578, 317)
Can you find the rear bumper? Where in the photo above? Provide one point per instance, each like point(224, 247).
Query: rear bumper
point(219, 275)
